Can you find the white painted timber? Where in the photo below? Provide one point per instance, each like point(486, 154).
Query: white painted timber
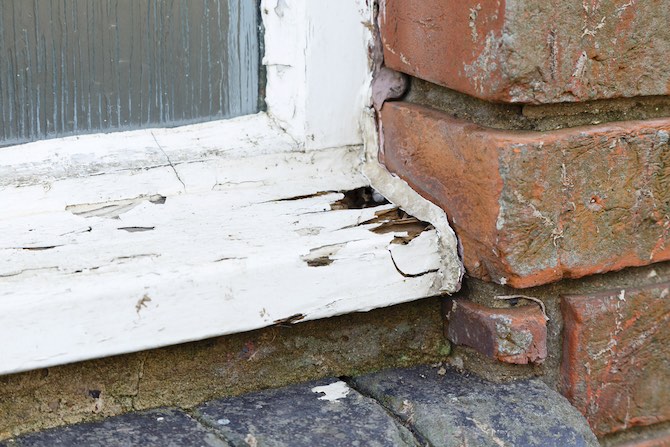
point(114, 243)
point(316, 57)
point(130, 258)
point(397, 191)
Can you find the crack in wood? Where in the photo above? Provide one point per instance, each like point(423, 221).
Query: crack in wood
point(354, 199)
point(305, 196)
point(358, 199)
point(84, 230)
point(288, 321)
point(167, 157)
point(410, 275)
point(120, 259)
point(229, 258)
point(395, 220)
point(21, 272)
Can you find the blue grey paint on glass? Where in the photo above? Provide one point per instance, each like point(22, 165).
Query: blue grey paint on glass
point(84, 66)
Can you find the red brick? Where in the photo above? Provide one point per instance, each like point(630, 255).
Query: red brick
point(657, 441)
point(616, 357)
point(531, 51)
point(534, 207)
point(512, 335)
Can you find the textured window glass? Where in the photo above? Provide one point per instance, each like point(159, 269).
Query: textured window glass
point(83, 66)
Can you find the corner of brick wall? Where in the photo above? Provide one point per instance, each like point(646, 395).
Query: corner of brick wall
point(543, 130)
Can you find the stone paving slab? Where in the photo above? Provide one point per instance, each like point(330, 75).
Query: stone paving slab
point(449, 409)
point(155, 428)
point(321, 413)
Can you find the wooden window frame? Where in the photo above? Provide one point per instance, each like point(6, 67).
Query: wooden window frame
point(120, 242)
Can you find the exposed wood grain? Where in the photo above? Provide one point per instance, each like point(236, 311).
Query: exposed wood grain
point(227, 251)
point(133, 240)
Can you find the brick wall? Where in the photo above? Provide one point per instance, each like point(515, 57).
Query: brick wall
point(542, 128)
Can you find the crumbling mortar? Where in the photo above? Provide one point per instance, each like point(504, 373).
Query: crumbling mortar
point(140, 375)
point(541, 118)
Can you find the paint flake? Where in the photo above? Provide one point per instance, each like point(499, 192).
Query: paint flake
point(333, 392)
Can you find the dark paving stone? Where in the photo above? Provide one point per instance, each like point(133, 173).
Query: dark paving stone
point(298, 416)
point(159, 428)
point(459, 410)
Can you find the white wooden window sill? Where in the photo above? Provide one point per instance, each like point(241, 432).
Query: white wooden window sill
point(128, 241)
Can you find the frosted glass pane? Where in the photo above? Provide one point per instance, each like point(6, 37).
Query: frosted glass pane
point(82, 66)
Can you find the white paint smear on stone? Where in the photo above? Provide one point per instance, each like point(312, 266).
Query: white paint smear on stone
point(333, 392)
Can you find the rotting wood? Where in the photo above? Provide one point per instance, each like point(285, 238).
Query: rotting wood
point(358, 199)
point(397, 221)
point(288, 257)
point(224, 182)
point(448, 261)
point(287, 322)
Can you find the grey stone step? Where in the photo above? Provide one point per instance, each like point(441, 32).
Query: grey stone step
point(156, 428)
point(450, 409)
point(322, 413)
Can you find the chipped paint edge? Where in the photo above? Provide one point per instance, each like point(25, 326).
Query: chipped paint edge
point(163, 153)
point(316, 55)
point(395, 189)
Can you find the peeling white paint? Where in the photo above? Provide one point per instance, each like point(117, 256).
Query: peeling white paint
point(411, 258)
point(211, 261)
point(474, 12)
point(333, 392)
point(400, 193)
point(622, 9)
point(114, 243)
point(622, 295)
point(317, 63)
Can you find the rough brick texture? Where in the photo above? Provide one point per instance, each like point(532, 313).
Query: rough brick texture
point(534, 207)
point(512, 335)
point(616, 357)
point(531, 51)
point(657, 441)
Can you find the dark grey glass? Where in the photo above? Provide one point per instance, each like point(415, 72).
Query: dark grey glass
point(81, 66)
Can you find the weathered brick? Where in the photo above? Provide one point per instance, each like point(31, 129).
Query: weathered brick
point(531, 51)
point(656, 441)
point(616, 356)
point(534, 207)
point(511, 335)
